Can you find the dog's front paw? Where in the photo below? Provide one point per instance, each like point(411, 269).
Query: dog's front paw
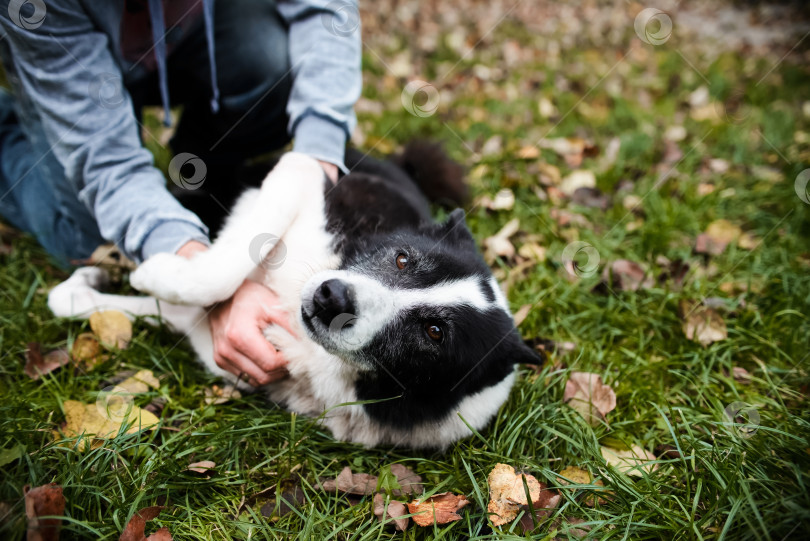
point(78, 295)
point(166, 276)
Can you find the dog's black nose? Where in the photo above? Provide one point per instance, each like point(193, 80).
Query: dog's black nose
point(332, 298)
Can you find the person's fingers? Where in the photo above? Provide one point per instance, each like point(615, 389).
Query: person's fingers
point(275, 315)
point(242, 365)
point(250, 343)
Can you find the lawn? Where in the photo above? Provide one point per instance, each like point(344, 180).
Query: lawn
point(695, 145)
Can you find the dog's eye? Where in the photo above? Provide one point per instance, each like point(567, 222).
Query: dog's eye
point(402, 260)
point(434, 332)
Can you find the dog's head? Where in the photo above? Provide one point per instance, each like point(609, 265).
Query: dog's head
point(423, 321)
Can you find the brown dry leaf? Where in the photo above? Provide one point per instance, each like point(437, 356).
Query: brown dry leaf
point(360, 484)
point(521, 314)
point(37, 364)
point(747, 241)
point(393, 513)
point(631, 461)
point(45, 500)
point(548, 174)
point(590, 197)
point(86, 348)
point(437, 509)
point(499, 244)
point(503, 200)
point(589, 396)
point(215, 394)
point(581, 178)
point(528, 152)
point(741, 375)
point(134, 530)
point(202, 466)
point(626, 275)
point(112, 327)
point(717, 236)
point(579, 476)
point(103, 419)
point(407, 479)
point(507, 495)
point(533, 251)
point(140, 382)
point(703, 324)
point(572, 149)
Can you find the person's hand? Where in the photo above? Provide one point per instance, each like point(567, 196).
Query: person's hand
point(236, 329)
point(330, 169)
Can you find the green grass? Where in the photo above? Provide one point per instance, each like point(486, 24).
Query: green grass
point(671, 391)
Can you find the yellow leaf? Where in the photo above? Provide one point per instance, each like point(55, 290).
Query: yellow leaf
point(633, 461)
point(112, 328)
point(104, 419)
point(85, 348)
point(141, 382)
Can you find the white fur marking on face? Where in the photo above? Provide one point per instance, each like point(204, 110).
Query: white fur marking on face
point(377, 305)
point(499, 296)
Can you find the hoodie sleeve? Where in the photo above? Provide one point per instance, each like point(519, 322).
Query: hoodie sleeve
point(64, 74)
point(325, 51)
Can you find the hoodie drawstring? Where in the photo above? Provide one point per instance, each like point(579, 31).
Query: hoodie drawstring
point(159, 38)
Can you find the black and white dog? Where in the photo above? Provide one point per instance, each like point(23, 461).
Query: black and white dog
point(396, 314)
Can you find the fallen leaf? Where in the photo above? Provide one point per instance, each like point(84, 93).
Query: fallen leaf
point(626, 275)
point(717, 236)
point(633, 461)
point(589, 396)
point(140, 382)
point(437, 509)
point(675, 133)
point(521, 314)
point(590, 197)
point(529, 152)
point(572, 149)
point(393, 512)
point(581, 178)
point(741, 375)
point(703, 324)
point(134, 530)
point(503, 200)
point(360, 484)
point(533, 251)
point(112, 327)
point(215, 394)
point(201, 466)
point(104, 419)
point(747, 241)
point(548, 174)
point(37, 364)
point(507, 495)
point(409, 482)
point(566, 217)
point(499, 244)
point(42, 501)
point(579, 476)
point(86, 348)
point(7, 456)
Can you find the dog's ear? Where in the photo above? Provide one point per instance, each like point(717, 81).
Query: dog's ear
point(455, 228)
point(523, 354)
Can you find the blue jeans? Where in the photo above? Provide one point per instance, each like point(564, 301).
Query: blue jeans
point(253, 77)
